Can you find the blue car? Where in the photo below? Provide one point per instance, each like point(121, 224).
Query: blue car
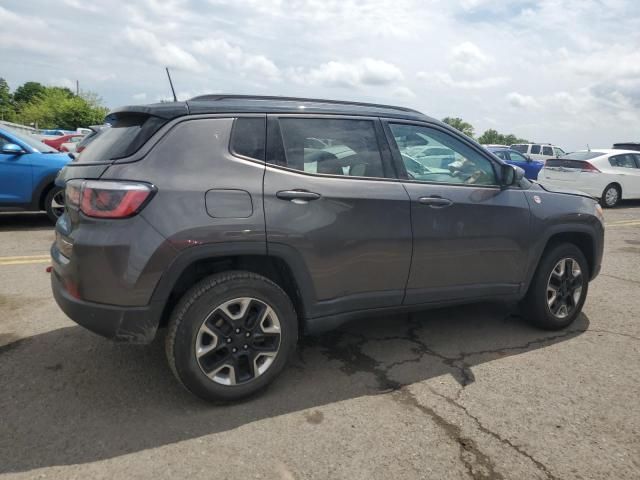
point(531, 167)
point(28, 169)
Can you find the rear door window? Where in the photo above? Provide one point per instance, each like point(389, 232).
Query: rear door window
point(547, 151)
point(332, 147)
point(535, 149)
point(126, 134)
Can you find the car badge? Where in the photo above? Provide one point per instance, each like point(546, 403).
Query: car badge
point(537, 199)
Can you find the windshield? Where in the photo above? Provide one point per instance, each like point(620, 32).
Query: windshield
point(34, 143)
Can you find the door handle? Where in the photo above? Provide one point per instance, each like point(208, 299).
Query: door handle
point(435, 202)
point(297, 196)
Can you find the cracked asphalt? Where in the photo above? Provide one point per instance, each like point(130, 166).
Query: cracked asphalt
point(469, 392)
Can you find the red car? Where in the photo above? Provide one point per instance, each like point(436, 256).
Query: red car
point(58, 141)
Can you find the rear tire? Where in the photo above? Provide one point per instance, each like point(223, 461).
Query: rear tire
point(230, 335)
point(558, 290)
point(54, 203)
point(611, 196)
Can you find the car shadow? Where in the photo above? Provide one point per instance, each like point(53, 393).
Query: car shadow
point(626, 204)
point(24, 221)
point(70, 397)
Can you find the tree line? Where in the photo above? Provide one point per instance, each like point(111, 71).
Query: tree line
point(49, 106)
point(490, 136)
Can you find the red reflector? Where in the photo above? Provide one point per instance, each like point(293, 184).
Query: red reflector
point(48, 269)
point(106, 199)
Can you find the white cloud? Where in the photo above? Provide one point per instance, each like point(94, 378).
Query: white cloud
point(234, 58)
point(139, 97)
point(448, 80)
point(573, 76)
point(366, 71)
point(519, 100)
point(468, 58)
point(162, 53)
point(403, 92)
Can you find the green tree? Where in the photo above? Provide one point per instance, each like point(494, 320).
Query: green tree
point(60, 108)
point(459, 125)
point(29, 92)
point(492, 136)
point(7, 106)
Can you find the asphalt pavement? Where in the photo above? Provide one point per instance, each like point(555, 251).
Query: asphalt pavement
point(470, 392)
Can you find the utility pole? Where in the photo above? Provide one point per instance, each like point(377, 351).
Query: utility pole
point(77, 88)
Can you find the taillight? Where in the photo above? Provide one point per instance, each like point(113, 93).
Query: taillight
point(588, 167)
point(107, 199)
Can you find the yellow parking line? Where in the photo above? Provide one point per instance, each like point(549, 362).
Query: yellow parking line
point(25, 260)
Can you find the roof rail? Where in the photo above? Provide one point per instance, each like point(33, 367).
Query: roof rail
point(216, 97)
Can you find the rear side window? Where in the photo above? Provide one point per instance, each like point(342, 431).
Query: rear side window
point(331, 147)
point(535, 149)
point(625, 161)
point(127, 133)
point(248, 137)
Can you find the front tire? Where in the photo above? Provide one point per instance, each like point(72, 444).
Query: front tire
point(54, 203)
point(559, 288)
point(230, 335)
point(611, 196)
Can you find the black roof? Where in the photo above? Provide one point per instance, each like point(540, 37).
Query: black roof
point(270, 104)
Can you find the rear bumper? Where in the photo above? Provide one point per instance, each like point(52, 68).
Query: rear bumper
point(128, 324)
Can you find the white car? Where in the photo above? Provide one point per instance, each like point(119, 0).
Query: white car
point(608, 175)
point(538, 151)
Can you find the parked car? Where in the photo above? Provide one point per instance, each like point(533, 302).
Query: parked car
point(28, 169)
point(494, 145)
point(539, 151)
point(56, 142)
point(513, 157)
point(210, 217)
point(635, 146)
point(608, 175)
point(71, 145)
point(89, 137)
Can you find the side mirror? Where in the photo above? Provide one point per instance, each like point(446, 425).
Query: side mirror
point(511, 175)
point(529, 159)
point(12, 149)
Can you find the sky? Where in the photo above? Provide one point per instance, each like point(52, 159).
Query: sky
point(565, 72)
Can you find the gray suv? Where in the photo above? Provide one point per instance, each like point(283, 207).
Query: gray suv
point(241, 223)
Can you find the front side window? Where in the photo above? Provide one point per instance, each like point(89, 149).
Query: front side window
point(547, 151)
point(458, 163)
point(558, 151)
point(501, 154)
point(332, 147)
point(517, 157)
point(535, 149)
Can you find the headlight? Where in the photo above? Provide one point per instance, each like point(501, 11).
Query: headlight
point(599, 213)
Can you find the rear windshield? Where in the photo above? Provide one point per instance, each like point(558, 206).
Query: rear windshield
point(127, 133)
point(519, 148)
point(564, 162)
point(582, 155)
